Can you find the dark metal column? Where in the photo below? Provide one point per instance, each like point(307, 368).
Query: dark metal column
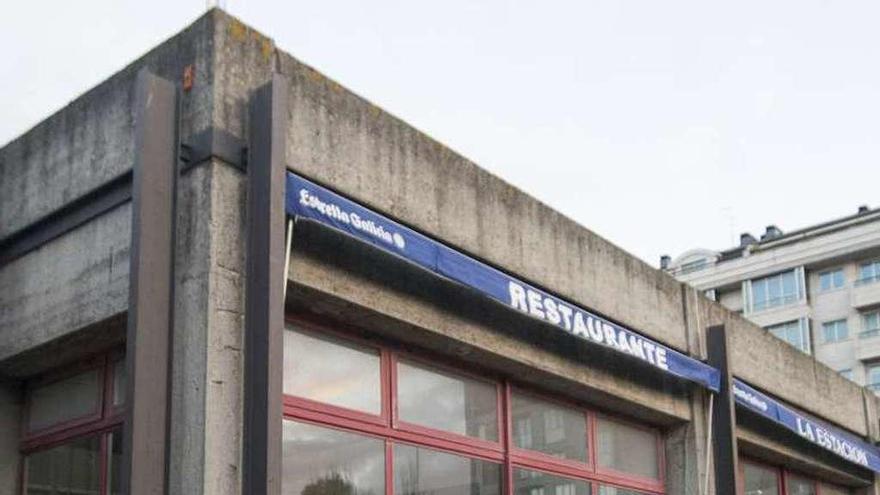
point(151, 290)
point(264, 309)
point(724, 449)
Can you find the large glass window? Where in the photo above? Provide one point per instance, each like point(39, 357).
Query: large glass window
point(447, 401)
point(799, 485)
point(332, 371)
point(835, 331)
point(324, 461)
point(530, 482)
point(615, 490)
point(73, 467)
point(67, 399)
point(776, 290)
point(421, 471)
point(869, 272)
point(794, 332)
point(72, 443)
point(441, 430)
point(872, 377)
point(627, 449)
point(832, 279)
point(870, 325)
point(548, 427)
point(760, 480)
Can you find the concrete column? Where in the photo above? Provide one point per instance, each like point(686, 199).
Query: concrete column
point(10, 421)
point(206, 444)
point(724, 448)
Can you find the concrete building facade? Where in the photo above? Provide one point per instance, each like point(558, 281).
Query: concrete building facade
point(816, 288)
point(223, 273)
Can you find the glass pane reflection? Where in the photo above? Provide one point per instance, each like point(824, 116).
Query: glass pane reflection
point(332, 371)
point(613, 490)
point(529, 482)
point(447, 402)
point(420, 471)
point(72, 468)
point(548, 428)
point(628, 449)
point(759, 480)
point(322, 461)
point(800, 486)
point(71, 398)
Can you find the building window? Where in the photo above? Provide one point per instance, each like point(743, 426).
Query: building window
point(799, 485)
point(761, 479)
point(72, 440)
point(622, 448)
point(869, 272)
point(872, 377)
point(846, 373)
point(835, 331)
point(447, 401)
point(436, 428)
point(832, 279)
point(777, 290)
point(794, 332)
point(554, 429)
point(870, 325)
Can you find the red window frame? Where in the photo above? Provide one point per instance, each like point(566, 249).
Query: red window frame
point(782, 476)
point(388, 426)
point(105, 420)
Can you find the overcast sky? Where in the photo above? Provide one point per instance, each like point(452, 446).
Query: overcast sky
point(661, 125)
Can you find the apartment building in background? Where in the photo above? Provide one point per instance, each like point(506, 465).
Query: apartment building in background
point(817, 288)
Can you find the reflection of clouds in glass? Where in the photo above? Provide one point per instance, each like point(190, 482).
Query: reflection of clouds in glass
point(419, 471)
point(313, 456)
point(447, 402)
point(331, 371)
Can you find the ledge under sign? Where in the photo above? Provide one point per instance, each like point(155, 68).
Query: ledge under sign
point(306, 199)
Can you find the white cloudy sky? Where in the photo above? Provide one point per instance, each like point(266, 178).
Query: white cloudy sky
point(661, 125)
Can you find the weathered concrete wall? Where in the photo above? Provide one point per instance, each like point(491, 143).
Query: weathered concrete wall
point(207, 384)
point(74, 281)
point(770, 364)
point(10, 421)
point(338, 138)
point(90, 141)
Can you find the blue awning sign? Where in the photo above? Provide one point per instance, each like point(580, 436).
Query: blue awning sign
point(841, 443)
point(306, 199)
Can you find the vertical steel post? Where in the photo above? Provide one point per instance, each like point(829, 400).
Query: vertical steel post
point(264, 309)
point(151, 289)
point(724, 448)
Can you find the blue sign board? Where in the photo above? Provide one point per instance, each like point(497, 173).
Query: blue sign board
point(308, 200)
point(841, 443)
